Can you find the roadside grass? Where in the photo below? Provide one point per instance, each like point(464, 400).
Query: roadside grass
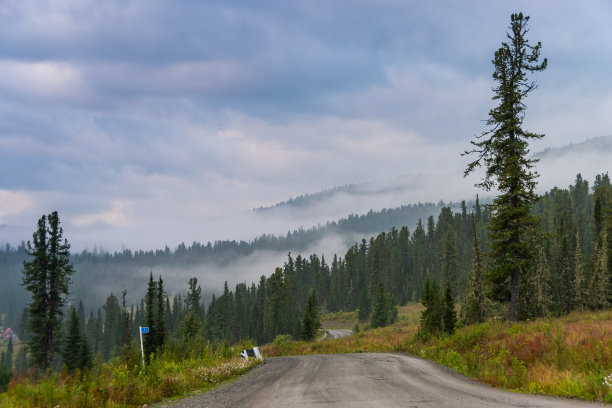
point(569, 356)
point(118, 384)
point(385, 339)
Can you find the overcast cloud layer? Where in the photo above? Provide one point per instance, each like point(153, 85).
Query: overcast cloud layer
point(146, 123)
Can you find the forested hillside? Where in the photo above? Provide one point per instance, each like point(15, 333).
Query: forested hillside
point(572, 273)
point(98, 273)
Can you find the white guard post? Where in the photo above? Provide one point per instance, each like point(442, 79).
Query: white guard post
point(254, 352)
point(142, 330)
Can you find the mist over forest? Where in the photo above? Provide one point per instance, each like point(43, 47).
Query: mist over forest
point(100, 272)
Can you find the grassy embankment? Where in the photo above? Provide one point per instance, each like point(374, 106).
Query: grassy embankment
point(120, 384)
point(569, 356)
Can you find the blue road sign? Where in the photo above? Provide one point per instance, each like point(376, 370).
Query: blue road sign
point(144, 329)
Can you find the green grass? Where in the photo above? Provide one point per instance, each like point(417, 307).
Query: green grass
point(569, 356)
point(124, 382)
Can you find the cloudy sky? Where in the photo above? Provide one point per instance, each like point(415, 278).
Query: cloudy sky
point(146, 122)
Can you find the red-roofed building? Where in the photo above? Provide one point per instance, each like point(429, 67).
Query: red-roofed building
point(9, 334)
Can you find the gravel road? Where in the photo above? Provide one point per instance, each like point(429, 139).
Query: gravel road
point(362, 380)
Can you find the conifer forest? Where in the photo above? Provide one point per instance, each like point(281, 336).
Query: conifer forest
point(392, 268)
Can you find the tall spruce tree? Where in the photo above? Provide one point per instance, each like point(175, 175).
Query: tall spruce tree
point(579, 277)
point(72, 343)
point(311, 322)
point(541, 290)
point(475, 303)
point(112, 338)
point(449, 315)
point(149, 339)
point(380, 313)
point(9, 354)
point(125, 320)
point(431, 317)
point(364, 304)
point(448, 255)
point(193, 298)
point(503, 150)
point(85, 358)
point(47, 277)
point(160, 324)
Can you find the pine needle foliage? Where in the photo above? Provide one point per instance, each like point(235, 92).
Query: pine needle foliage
point(311, 322)
point(503, 150)
point(47, 277)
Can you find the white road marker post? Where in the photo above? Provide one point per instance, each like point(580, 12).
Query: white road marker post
point(142, 330)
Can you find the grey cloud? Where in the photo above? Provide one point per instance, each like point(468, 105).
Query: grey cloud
point(115, 111)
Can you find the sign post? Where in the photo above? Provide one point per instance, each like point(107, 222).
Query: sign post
point(142, 330)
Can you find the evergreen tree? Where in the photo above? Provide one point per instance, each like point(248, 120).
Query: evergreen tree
point(431, 317)
point(125, 320)
point(364, 304)
point(73, 342)
point(160, 325)
point(190, 326)
point(177, 310)
point(279, 306)
point(193, 298)
point(81, 314)
point(541, 286)
point(85, 358)
point(98, 332)
point(149, 338)
point(608, 249)
point(8, 356)
point(599, 284)
point(169, 322)
point(579, 277)
point(449, 261)
point(562, 287)
point(112, 337)
point(504, 152)
point(449, 313)
point(476, 305)
point(47, 277)
point(21, 361)
point(381, 313)
point(311, 322)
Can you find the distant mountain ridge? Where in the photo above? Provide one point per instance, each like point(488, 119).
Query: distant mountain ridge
point(597, 146)
point(353, 189)
point(600, 145)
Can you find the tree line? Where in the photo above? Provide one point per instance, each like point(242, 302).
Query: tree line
point(441, 262)
point(99, 268)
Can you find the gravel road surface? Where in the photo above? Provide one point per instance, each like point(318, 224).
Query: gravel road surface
point(362, 380)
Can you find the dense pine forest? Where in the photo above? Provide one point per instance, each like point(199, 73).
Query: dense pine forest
point(572, 271)
point(374, 275)
point(126, 269)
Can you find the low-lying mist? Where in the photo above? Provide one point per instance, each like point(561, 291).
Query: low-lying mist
point(92, 286)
